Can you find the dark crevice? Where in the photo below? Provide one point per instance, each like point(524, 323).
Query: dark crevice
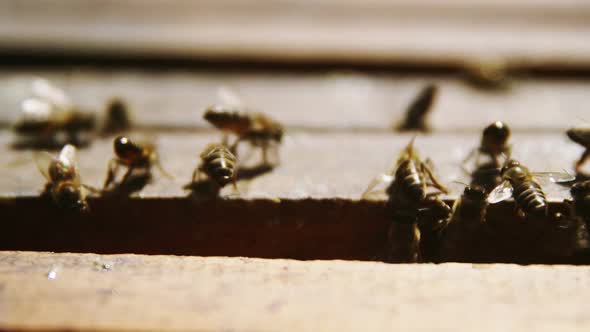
point(14, 58)
point(296, 229)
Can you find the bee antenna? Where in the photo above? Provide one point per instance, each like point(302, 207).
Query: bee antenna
point(410, 146)
point(462, 183)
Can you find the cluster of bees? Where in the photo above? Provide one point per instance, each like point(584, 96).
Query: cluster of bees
point(412, 189)
point(50, 114)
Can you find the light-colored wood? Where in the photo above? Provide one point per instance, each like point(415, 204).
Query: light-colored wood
point(378, 31)
point(317, 166)
point(308, 207)
point(317, 100)
point(132, 292)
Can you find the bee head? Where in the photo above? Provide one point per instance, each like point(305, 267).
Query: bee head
point(278, 136)
point(215, 114)
point(580, 135)
point(125, 149)
point(475, 193)
point(496, 133)
point(118, 114)
point(510, 164)
point(69, 197)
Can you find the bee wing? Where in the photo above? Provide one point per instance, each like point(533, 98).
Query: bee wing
point(34, 109)
point(67, 155)
point(229, 97)
point(502, 192)
point(554, 177)
point(45, 90)
point(43, 159)
point(384, 180)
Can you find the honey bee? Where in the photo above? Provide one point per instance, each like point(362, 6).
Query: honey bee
point(256, 128)
point(134, 156)
point(63, 179)
point(50, 113)
point(580, 205)
point(471, 206)
point(579, 213)
point(488, 74)
point(519, 182)
point(418, 110)
point(407, 197)
point(467, 216)
point(494, 144)
point(487, 176)
point(581, 135)
point(219, 164)
point(117, 117)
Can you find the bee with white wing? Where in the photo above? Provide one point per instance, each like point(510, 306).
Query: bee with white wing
point(494, 144)
point(407, 200)
point(256, 128)
point(63, 178)
point(49, 113)
point(522, 185)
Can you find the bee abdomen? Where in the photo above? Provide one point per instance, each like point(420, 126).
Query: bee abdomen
point(216, 165)
point(219, 163)
point(531, 198)
point(411, 181)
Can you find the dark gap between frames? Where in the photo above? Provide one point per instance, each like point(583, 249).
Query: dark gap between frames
point(306, 229)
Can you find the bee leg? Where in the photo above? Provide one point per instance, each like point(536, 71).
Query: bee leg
point(569, 206)
point(520, 213)
point(158, 164)
point(112, 172)
point(264, 148)
point(235, 187)
point(580, 162)
point(91, 189)
point(433, 179)
point(275, 155)
point(127, 175)
point(47, 189)
point(197, 175)
point(374, 183)
point(234, 147)
point(507, 154)
point(469, 156)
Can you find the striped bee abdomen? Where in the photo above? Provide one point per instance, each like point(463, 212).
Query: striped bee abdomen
point(530, 198)
point(219, 164)
point(410, 181)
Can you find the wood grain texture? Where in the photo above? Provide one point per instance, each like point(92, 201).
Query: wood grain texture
point(427, 32)
point(320, 100)
point(315, 166)
point(134, 292)
point(307, 208)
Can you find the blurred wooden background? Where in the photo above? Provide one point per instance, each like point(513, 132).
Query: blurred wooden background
point(529, 33)
point(338, 75)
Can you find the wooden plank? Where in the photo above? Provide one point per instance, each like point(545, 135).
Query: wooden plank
point(134, 292)
point(383, 31)
point(307, 208)
point(316, 166)
point(338, 100)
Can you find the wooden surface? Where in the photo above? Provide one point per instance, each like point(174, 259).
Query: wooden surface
point(134, 292)
point(338, 137)
point(316, 166)
point(423, 32)
point(307, 208)
point(338, 99)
